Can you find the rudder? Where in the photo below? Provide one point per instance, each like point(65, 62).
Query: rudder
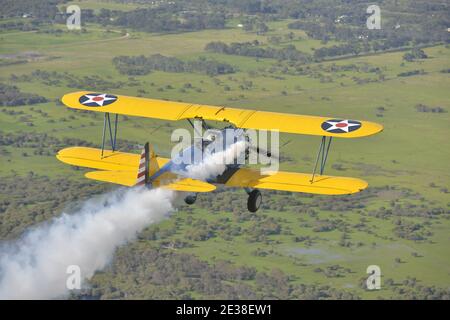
point(148, 165)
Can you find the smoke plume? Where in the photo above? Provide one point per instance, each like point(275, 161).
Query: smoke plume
point(215, 164)
point(36, 265)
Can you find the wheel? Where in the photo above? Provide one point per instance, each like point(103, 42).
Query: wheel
point(254, 200)
point(190, 199)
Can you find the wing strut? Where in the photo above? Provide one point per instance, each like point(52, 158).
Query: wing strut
point(113, 138)
point(324, 148)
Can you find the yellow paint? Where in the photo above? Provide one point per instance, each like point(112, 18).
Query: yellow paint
point(296, 182)
point(190, 185)
point(128, 178)
point(241, 118)
point(121, 168)
point(113, 161)
point(124, 178)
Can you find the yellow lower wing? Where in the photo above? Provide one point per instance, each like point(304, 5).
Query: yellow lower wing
point(128, 178)
point(296, 182)
point(190, 185)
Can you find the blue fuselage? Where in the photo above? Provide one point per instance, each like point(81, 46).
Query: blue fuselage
point(194, 155)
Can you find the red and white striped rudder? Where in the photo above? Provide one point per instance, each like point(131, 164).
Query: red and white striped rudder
point(142, 174)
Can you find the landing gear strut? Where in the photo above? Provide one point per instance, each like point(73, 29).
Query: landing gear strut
point(254, 200)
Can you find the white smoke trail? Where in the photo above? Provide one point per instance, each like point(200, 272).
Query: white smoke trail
point(215, 164)
point(35, 266)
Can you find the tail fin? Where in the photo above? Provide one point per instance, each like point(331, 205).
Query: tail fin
point(148, 166)
point(142, 174)
point(153, 164)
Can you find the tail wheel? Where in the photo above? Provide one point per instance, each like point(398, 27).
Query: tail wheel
point(190, 199)
point(254, 200)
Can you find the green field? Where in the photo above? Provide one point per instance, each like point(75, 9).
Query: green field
point(410, 156)
point(97, 5)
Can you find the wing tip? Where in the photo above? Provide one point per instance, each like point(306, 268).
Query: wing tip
point(368, 129)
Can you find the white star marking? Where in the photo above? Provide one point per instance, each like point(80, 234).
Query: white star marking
point(99, 102)
point(343, 128)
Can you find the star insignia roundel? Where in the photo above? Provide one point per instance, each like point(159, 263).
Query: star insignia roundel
point(97, 99)
point(340, 126)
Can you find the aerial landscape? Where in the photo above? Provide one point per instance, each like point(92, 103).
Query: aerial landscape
point(302, 57)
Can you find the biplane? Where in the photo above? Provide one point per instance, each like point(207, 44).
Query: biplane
point(149, 169)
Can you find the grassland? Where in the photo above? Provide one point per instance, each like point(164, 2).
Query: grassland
point(97, 5)
point(411, 154)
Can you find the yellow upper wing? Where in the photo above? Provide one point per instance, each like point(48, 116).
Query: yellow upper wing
point(241, 118)
point(296, 182)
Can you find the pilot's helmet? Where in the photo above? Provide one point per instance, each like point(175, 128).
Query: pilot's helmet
point(210, 137)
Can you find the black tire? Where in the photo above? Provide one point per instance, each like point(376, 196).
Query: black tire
point(254, 200)
point(190, 199)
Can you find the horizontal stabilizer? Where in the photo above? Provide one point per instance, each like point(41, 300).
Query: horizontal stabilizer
point(296, 182)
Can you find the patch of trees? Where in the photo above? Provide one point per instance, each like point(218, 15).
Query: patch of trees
point(160, 20)
point(411, 73)
point(320, 71)
point(33, 199)
point(163, 17)
point(424, 108)
point(410, 230)
point(415, 53)
point(45, 144)
point(349, 26)
point(253, 49)
point(333, 271)
point(340, 50)
point(13, 96)
point(155, 273)
point(353, 48)
point(53, 78)
point(160, 17)
point(8, 62)
point(411, 289)
point(142, 65)
point(326, 225)
point(421, 25)
point(407, 210)
point(21, 25)
point(41, 9)
point(253, 23)
point(260, 230)
point(201, 231)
